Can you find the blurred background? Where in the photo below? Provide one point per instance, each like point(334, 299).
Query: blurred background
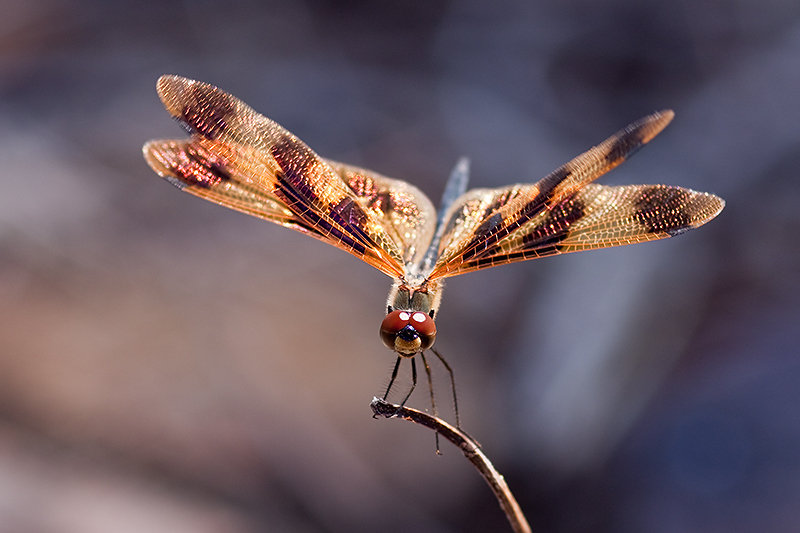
point(167, 365)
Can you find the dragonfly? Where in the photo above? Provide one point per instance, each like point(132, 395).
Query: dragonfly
point(240, 159)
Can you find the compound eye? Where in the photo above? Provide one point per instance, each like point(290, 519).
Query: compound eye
point(391, 326)
point(426, 328)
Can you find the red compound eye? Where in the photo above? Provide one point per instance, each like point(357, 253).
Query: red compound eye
point(409, 325)
point(391, 325)
point(426, 328)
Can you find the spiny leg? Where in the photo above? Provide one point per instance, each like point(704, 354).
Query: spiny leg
point(391, 381)
point(452, 385)
point(430, 382)
point(433, 401)
point(413, 381)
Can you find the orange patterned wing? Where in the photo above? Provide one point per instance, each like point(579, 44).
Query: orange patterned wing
point(564, 212)
point(241, 159)
point(404, 212)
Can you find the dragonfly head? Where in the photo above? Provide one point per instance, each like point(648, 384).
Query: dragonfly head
point(409, 327)
point(408, 332)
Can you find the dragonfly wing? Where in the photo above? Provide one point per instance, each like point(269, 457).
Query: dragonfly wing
point(405, 213)
point(564, 212)
point(243, 160)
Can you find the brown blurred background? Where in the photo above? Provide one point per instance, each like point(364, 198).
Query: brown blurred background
point(167, 365)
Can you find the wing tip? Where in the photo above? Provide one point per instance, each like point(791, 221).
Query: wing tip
point(712, 206)
point(150, 152)
point(153, 155)
point(701, 209)
point(167, 82)
point(654, 124)
point(170, 88)
point(176, 92)
point(665, 114)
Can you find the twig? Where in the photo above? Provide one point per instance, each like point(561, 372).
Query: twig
point(471, 451)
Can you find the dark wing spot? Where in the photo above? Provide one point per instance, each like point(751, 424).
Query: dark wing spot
point(493, 229)
point(547, 188)
point(294, 187)
point(195, 167)
point(549, 183)
point(663, 209)
point(363, 186)
point(484, 236)
point(384, 202)
point(296, 162)
point(208, 111)
point(219, 171)
point(555, 226)
point(310, 218)
point(348, 213)
point(559, 174)
point(630, 142)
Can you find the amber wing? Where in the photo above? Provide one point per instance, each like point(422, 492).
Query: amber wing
point(564, 212)
point(241, 159)
point(403, 211)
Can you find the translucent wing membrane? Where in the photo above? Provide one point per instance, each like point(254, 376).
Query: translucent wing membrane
point(565, 213)
point(240, 159)
point(196, 169)
point(405, 213)
point(597, 216)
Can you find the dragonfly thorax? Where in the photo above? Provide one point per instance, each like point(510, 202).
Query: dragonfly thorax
point(415, 294)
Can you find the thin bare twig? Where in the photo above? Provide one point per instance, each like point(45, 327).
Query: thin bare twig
point(471, 451)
